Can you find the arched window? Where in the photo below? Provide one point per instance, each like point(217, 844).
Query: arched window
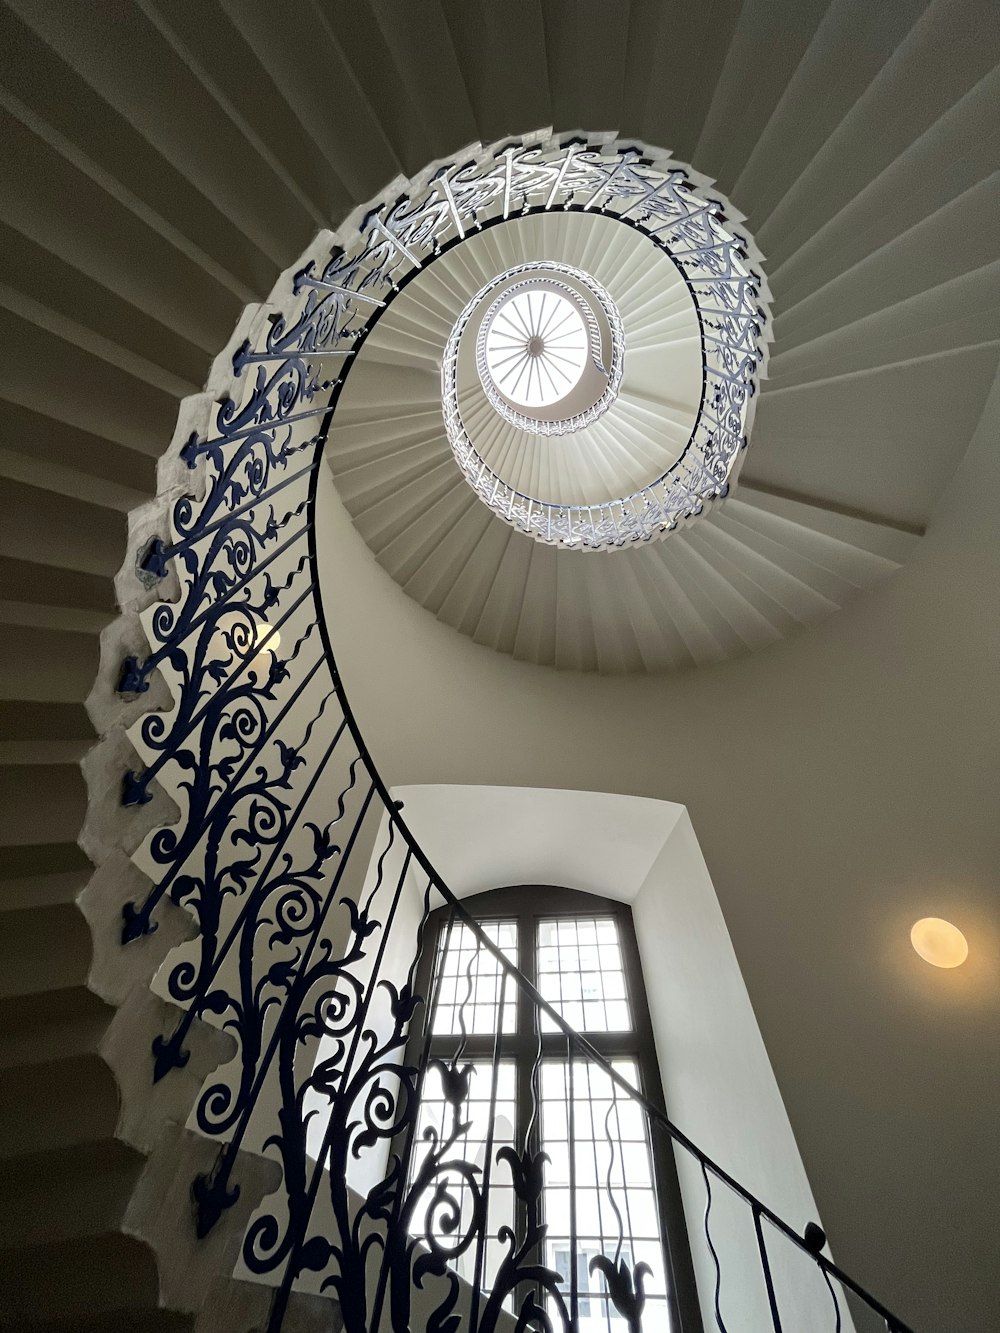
point(609, 1191)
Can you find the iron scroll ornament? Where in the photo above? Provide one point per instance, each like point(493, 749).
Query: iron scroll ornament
point(263, 757)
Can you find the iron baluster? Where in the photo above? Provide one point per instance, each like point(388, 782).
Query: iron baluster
point(533, 1150)
point(192, 984)
point(772, 1299)
point(393, 1248)
point(574, 1280)
point(211, 1193)
point(483, 1230)
point(202, 530)
point(715, 1257)
point(134, 785)
point(836, 1302)
point(597, 1191)
point(352, 1256)
point(136, 919)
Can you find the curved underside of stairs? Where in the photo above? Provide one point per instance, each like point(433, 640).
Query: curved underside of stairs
point(164, 161)
point(744, 575)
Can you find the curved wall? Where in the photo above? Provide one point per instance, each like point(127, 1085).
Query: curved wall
point(839, 786)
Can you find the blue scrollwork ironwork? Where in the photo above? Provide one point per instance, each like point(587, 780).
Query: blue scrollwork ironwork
point(280, 799)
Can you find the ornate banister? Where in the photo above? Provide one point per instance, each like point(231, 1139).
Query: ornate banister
point(307, 940)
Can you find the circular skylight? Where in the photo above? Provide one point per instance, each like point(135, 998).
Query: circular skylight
point(536, 347)
point(547, 345)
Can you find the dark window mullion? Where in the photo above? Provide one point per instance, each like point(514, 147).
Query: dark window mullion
point(479, 1046)
point(527, 1027)
point(528, 905)
point(609, 1044)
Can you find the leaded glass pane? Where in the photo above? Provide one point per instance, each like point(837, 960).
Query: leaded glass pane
point(616, 1213)
point(470, 986)
point(581, 974)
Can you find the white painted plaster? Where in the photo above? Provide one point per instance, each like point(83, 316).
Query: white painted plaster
point(718, 1082)
point(720, 1089)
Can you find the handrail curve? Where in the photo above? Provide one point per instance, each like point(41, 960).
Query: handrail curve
point(274, 789)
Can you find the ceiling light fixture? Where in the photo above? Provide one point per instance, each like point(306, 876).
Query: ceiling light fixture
point(939, 942)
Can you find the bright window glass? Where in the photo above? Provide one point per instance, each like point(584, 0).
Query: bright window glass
point(470, 985)
point(610, 1171)
point(580, 973)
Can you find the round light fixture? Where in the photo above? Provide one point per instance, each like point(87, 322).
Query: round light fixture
point(271, 635)
point(939, 942)
point(236, 632)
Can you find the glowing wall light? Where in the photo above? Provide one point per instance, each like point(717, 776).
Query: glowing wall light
point(232, 639)
point(939, 942)
point(273, 643)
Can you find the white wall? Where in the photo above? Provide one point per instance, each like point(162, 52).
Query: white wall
point(720, 1090)
point(841, 785)
point(718, 1083)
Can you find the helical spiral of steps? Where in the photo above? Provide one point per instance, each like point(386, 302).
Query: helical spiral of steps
point(164, 161)
point(739, 578)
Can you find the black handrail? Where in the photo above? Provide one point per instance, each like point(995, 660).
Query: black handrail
point(579, 1042)
point(297, 989)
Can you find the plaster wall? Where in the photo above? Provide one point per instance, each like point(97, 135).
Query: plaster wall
point(842, 783)
point(717, 1081)
point(720, 1089)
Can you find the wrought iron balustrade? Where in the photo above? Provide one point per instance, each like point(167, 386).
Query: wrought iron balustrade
point(459, 1224)
point(307, 943)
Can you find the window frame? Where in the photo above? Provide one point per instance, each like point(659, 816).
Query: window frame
point(528, 905)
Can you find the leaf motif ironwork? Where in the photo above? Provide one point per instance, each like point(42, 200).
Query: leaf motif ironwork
point(285, 958)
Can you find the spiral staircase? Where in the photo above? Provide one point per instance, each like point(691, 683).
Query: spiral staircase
point(164, 161)
point(760, 566)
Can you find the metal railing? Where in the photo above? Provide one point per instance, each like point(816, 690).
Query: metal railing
point(305, 944)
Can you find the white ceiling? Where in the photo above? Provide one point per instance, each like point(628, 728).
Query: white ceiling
point(484, 837)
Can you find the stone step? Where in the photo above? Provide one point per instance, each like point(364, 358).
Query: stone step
point(51, 890)
point(45, 662)
point(56, 1104)
point(54, 1025)
point(22, 721)
point(101, 1282)
point(119, 1321)
point(41, 805)
point(31, 581)
point(79, 535)
point(66, 1193)
point(43, 949)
